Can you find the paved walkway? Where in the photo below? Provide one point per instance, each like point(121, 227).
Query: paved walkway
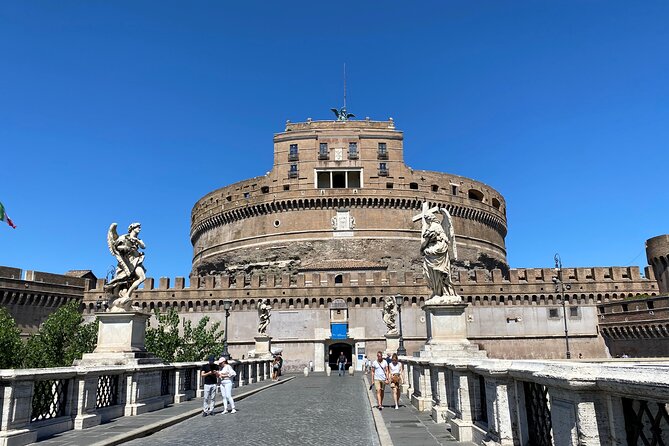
point(297, 410)
point(406, 426)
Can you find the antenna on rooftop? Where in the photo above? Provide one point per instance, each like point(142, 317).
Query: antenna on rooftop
point(342, 114)
point(344, 85)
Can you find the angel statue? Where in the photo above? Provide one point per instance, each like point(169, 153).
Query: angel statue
point(438, 247)
point(264, 313)
point(341, 114)
point(130, 272)
point(389, 311)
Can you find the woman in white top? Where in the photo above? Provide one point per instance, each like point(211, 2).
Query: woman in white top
point(395, 372)
point(226, 373)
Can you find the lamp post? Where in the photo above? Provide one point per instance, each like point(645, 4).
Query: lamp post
point(399, 300)
point(227, 304)
point(560, 287)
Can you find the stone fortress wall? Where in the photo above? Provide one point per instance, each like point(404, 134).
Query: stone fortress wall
point(657, 253)
point(31, 296)
point(518, 317)
point(284, 219)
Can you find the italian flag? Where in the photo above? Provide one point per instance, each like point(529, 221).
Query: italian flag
point(5, 217)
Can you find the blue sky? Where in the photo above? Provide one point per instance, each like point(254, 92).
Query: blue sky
point(132, 110)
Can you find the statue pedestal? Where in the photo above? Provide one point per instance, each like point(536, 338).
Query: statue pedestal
point(392, 343)
point(263, 346)
point(121, 338)
point(447, 331)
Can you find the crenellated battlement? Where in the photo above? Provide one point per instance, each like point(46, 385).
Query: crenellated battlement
point(517, 276)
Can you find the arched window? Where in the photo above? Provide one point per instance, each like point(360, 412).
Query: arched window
point(474, 194)
point(339, 279)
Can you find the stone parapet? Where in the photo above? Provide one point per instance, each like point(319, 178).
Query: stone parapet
point(495, 402)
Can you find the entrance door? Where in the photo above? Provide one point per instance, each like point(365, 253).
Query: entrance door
point(335, 350)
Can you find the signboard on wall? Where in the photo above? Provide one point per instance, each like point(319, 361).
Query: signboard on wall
point(339, 331)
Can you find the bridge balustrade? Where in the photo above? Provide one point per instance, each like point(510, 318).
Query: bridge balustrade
point(503, 402)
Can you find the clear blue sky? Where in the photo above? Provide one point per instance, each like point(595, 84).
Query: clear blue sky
point(132, 110)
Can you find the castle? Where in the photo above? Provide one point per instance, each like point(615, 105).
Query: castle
point(332, 229)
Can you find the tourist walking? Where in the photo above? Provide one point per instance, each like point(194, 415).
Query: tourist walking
point(226, 373)
point(341, 361)
point(210, 374)
point(395, 372)
point(379, 375)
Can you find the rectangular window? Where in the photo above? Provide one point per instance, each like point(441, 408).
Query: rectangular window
point(293, 167)
point(293, 171)
point(353, 150)
point(383, 166)
point(323, 151)
point(383, 170)
point(354, 179)
point(338, 179)
point(383, 151)
point(454, 189)
point(573, 312)
point(292, 154)
point(553, 313)
point(323, 180)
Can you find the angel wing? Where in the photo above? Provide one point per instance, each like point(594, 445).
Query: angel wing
point(350, 115)
point(447, 224)
point(112, 236)
point(335, 111)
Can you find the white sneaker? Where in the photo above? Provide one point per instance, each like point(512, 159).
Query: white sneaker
point(233, 411)
point(396, 406)
point(224, 412)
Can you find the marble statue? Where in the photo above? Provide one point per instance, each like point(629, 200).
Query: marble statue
point(130, 272)
point(389, 312)
point(438, 248)
point(264, 313)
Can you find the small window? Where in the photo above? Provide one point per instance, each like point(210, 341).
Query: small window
point(495, 203)
point(286, 187)
point(229, 198)
point(383, 151)
point(339, 279)
point(264, 189)
point(435, 188)
point(247, 194)
point(383, 166)
point(454, 189)
point(389, 185)
point(553, 313)
point(413, 185)
point(292, 155)
point(293, 167)
point(573, 311)
point(650, 304)
point(353, 150)
point(323, 151)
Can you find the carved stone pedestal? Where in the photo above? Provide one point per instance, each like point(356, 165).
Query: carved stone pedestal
point(392, 343)
point(120, 341)
point(263, 346)
point(447, 332)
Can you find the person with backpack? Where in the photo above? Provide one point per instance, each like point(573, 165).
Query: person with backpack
point(379, 375)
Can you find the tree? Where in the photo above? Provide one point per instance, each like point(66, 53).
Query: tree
point(193, 344)
point(10, 341)
point(61, 339)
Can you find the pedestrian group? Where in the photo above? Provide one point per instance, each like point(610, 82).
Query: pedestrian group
point(217, 374)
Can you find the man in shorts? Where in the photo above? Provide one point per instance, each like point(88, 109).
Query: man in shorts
point(379, 375)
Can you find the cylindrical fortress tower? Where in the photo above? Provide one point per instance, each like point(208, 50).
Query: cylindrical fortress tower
point(657, 253)
point(339, 196)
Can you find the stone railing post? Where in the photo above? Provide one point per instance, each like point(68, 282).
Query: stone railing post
point(422, 395)
point(439, 393)
point(86, 387)
point(16, 407)
point(143, 392)
point(462, 424)
point(407, 378)
point(500, 391)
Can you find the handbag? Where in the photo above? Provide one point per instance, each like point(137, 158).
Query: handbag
point(395, 379)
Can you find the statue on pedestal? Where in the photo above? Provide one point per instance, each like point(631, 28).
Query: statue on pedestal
point(389, 312)
point(438, 247)
point(130, 272)
point(264, 314)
